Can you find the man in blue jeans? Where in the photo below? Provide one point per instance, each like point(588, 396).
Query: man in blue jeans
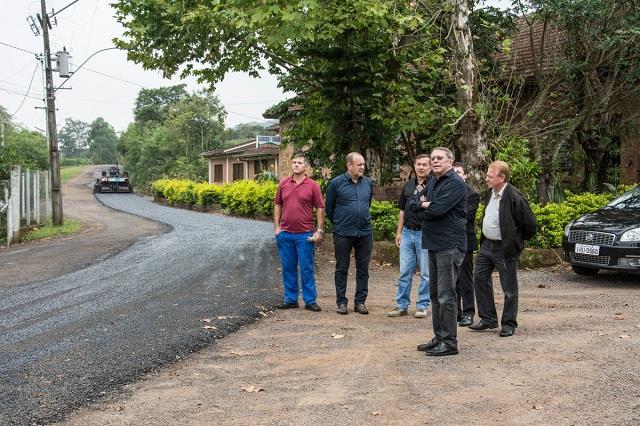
point(294, 202)
point(409, 240)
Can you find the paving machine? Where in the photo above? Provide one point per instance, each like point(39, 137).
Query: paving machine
point(113, 181)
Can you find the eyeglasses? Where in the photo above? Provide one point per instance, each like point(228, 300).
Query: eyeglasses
point(438, 157)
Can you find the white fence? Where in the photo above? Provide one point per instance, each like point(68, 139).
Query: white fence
point(22, 200)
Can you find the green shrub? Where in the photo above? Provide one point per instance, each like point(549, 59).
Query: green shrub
point(250, 198)
point(384, 220)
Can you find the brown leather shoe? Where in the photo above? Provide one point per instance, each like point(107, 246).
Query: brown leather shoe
point(361, 309)
point(342, 309)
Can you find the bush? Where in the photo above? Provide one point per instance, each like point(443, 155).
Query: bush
point(384, 220)
point(250, 198)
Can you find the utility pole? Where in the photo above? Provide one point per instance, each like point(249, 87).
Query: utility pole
point(54, 153)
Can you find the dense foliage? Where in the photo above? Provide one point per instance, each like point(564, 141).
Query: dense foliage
point(25, 148)
point(172, 129)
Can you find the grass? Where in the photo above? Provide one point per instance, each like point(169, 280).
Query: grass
point(67, 173)
point(69, 226)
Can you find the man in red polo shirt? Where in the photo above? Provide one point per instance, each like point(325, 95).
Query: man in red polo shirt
point(295, 199)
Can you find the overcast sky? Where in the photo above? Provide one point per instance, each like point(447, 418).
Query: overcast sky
point(108, 84)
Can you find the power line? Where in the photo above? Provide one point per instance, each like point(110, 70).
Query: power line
point(17, 48)
point(28, 90)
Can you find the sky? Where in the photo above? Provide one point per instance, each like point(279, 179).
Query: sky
point(108, 84)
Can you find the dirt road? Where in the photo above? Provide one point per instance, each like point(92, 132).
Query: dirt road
point(574, 360)
point(106, 232)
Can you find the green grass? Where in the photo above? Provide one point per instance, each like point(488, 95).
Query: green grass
point(69, 226)
point(67, 173)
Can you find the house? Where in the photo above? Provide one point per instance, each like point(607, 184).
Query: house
point(244, 160)
point(536, 50)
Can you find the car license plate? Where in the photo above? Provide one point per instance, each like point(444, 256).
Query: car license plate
point(588, 249)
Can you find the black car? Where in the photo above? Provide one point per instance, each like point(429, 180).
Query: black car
point(606, 239)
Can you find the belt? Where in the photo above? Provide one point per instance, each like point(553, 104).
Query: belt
point(494, 241)
point(413, 228)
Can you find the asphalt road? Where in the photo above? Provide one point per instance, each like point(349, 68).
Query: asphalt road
point(68, 341)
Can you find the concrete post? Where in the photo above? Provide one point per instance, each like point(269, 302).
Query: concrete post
point(27, 198)
point(13, 221)
point(47, 191)
point(36, 197)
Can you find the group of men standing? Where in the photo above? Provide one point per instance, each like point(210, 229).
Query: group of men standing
point(435, 234)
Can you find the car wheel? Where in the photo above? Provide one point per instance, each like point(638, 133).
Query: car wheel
point(581, 270)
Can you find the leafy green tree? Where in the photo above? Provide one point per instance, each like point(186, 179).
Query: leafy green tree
point(25, 148)
point(102, 140)
point(153, 105)
point(345, 59)
point(245, 131)
point(171, 145)
point(73, 138)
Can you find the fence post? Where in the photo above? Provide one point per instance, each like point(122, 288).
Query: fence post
point(36, 197)
point(22, 195)
point(27, 198)
point(47, 192)
point(13, 222)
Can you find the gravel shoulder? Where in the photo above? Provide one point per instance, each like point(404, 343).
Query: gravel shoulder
point(106, 232)
point(574, 360)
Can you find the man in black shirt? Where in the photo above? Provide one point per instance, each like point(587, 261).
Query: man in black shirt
point(444, 216)
point(409, 240)
point(464, 285)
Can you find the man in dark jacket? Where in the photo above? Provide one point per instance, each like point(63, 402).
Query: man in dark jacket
point(464, 285)
point(348, 204)
point(444, 216)
point(507, 222)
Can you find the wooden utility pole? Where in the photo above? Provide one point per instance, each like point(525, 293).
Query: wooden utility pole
point(54, 153)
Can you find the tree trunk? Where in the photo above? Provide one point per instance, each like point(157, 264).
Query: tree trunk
point(471, 146)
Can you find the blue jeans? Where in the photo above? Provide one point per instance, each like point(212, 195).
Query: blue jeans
point(296, 251)
point(412, 254)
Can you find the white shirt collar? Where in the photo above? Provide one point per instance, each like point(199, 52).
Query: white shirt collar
point(499, 193)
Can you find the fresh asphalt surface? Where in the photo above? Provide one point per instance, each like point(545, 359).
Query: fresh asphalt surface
point(67, 341)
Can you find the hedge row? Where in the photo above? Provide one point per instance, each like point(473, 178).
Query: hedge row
point(253, 199)
point(250, 198)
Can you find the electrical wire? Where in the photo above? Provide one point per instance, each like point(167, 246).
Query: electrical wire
point(17, 48)
point(28, 90)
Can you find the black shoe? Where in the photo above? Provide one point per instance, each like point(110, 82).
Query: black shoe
point(482, 326)
point(442, 349)
point(507, 331)
point(361, 309)
point(429, 345)
point(288, 305)
point(466, 321)
point(313, 307)
point(342, 309)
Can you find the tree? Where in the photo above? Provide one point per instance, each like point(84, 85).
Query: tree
point(245, 131)
point(102, 141)
point(22, 147)
point(73, 138)
point(171, 144)
point(343, 58)
point(153, 105)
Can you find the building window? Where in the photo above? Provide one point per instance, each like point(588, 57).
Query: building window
point(260, 166)
point(238, 171)
point(217, 173)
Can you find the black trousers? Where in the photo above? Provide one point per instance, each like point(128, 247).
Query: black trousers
point(343, 246)
point(443, 273)
point(464, 288)
point(490, 257)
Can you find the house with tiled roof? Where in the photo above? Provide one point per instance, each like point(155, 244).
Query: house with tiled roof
point(536, 50)
point(244, 160)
